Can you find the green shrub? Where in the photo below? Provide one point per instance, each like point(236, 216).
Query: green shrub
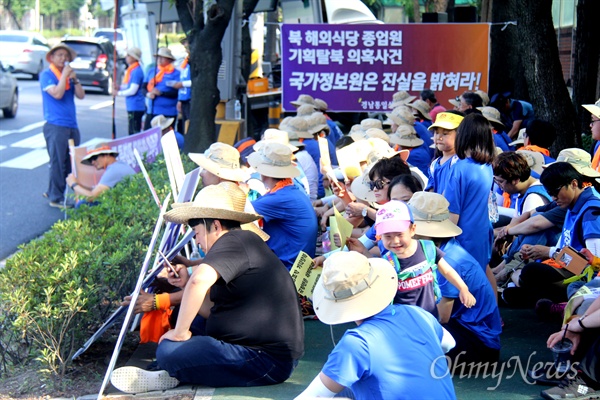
point(60, 288)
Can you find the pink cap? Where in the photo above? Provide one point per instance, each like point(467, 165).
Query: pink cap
point(393, 216)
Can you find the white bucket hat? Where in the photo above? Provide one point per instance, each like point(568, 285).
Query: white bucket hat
point(274, 160)
point(162, 121)
point(593, 108)
point(353, 287)
point(520, 138)
point(221, 160)
point(431, 215)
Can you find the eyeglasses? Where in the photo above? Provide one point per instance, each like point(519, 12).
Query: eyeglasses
point(594, 121)
point(378, 184)
point(555, 192)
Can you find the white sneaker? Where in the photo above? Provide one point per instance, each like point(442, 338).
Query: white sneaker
point(137, 380)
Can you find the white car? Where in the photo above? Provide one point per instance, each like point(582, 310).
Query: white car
point(109, 33)
point(9, 92)
point(24, 51)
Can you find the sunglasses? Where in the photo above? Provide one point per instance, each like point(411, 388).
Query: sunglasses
point(378, 184)
point(555, 192)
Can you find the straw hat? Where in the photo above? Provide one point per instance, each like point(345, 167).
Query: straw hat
point(579, 159)
point(221, 160)
point(393, 216)
point(485, 99)
point(401, 98)
point(375, 133)
point(534, 159)
point(274, 160)
point(446, 120)
point(520, 139)
point(432, 217)
point(305, 110)
point(162, 121)
point(402, 115)
point(492, 115)
point(317, 122)
point(298, 126)
point(135, 53)
point(421, 107)
point(321, 105)
point(164, 52)
point(97, 151)
point(277, 136)
point(238, 196)
point(353, 287)
point(593, 108)
point(406, 136)
point(72, 53)
point(214, 201)
point(303, 99)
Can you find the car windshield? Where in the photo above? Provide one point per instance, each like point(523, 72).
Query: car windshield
point(84, 50)
point(109, 35)
point(14, 38)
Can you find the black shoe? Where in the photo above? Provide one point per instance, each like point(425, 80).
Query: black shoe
point(547, 375)
point(575, 389)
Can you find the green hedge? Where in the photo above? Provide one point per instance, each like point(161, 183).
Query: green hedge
point(58, 289)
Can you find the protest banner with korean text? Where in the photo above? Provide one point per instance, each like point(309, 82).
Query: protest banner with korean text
point(358, 68)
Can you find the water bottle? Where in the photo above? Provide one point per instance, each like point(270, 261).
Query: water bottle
point(237, 110)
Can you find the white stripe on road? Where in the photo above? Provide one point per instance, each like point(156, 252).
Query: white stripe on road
point(2, 147)
point(23, 129)
point(204, 393)
point(34, 142)
point(104, 104)
point(30, 160)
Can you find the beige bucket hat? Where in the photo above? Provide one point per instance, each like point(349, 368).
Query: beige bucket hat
point(72, 53)
point(520, 138)
point(274, 160)
point(317, 122)
point(214, 201)
point(485, 99)
point(305, 110)
point(321, 105)
point(277, 136)
point(422, 107)
point(134, 52)
point(162, 121)
point(164, 52)
point(579, 159)
point(376, 133)
point(353, 287)
point(360, 186)
point(492, 115)
point(221, 160)
point(298, 127)
point(432, 217)
point(402, 115)
point(406, 136)
point(303, 99)
point(534, 159)
point(593, 108)
point(401, 98)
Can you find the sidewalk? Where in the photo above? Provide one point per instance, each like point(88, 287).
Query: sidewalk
point(523, 345)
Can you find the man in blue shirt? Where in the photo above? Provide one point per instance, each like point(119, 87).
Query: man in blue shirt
point(288, 216)
point(60, 86)
point(161, 90)
point(395, 352)
point(131, 89)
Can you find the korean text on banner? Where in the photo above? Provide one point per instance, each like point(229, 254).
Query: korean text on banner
point(305, 277)
point(147, 143)
point(358, 68)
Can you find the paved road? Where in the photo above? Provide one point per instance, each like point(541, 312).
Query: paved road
point(24, 213)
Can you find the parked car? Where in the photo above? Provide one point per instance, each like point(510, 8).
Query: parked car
point(94, 62)
point(9, 92)
point(24, 51)
point(109, 33)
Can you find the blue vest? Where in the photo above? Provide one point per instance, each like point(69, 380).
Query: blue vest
point(537, 189)
point(573, 229)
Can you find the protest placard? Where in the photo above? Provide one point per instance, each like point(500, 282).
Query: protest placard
point(340, 226)
point(303, 274)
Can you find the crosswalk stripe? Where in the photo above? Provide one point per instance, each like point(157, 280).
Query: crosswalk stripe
point(30, 160)
point(36, 141)
point(26, 128)
point(104, 104)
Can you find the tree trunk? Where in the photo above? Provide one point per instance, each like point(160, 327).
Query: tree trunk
point(416, 11)
point(587, 59)
point(486, 11)
point(542, 70)
point(205, 59)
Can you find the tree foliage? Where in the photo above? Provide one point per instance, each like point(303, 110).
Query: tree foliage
point(17, 8)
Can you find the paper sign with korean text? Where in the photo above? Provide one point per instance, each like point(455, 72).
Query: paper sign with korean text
point(358, 68)
point(340, 226)
point(305, 277)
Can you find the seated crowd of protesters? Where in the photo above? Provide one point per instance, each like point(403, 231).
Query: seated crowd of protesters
point(450, 214)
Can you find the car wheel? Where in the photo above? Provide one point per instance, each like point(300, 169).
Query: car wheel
point(108, 89)
point(11, 111)
point(36, 76)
